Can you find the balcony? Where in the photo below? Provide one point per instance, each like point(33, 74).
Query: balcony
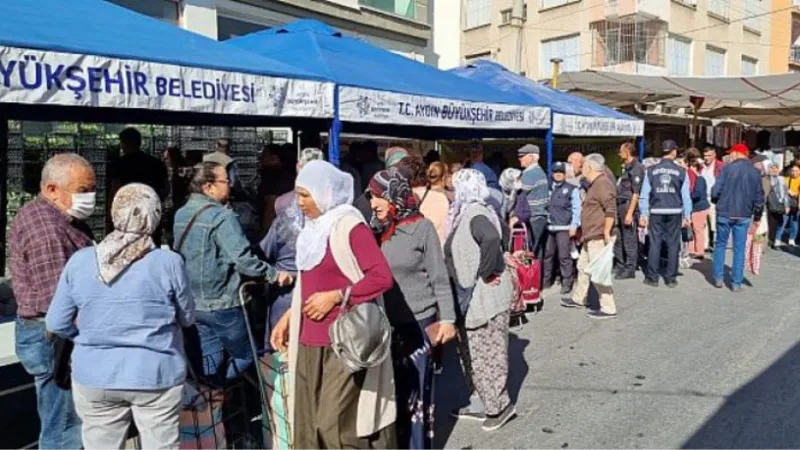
point(643, 9)
point(629, 46)
point(402, 8)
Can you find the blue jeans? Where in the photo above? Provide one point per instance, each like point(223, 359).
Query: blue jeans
point(220, 332)
point(726, 226)
point(60, 424)
point(792, 221)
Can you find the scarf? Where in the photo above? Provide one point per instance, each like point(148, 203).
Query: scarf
point(470, 189)
point(135, 213)
point(332, 191)
point(393, 186)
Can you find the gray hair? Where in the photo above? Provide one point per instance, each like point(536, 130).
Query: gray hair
point(56, 169)
point(203, 174)
point(596, 161)
point(310, 154)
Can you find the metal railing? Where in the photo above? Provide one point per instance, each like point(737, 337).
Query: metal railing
point(794, 53)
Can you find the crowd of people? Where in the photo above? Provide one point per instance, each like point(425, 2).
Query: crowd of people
point(373, 267)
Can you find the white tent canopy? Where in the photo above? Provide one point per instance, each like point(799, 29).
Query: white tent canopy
point(769, 100)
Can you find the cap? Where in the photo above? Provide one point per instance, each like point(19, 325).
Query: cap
point(559, 167)
point(669, 145)
point(741, 149)
point(528, 149)
point(758, 159)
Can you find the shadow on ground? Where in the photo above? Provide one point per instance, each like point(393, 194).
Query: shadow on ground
point(706, 268)
point(761, 414)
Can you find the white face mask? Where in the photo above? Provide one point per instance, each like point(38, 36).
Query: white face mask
point(82, 205)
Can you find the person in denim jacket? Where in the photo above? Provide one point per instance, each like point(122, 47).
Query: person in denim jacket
point(218, 259)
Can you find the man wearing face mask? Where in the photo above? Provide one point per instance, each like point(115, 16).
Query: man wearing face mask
point(43, 236)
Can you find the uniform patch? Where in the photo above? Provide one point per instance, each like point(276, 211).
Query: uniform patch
point(564, 191)
point(636, 179)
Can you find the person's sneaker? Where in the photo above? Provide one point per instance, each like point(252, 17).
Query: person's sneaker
point(494, 423)
point(570, 303)
point(778, 244)
point(650, 282)
point(624, 276)
point(671, 284)
point(597, 314)
point(737, 288)
point(566, 290)
point(467, 413)
point(718, 284)
point(791, 243)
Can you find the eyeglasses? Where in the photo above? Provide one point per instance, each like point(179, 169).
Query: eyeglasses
point(221, 181)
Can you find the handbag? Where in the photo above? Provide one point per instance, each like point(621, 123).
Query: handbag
point(62, 355)
point(361, 335)
point(687, 234)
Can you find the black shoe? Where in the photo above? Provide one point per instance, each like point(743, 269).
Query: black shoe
point(468, 414)
point(671, 284)
point(569, 303)
point(494, 423)
point(624, 275)
point(566, 290)
point(650, 282)
point(597, 314)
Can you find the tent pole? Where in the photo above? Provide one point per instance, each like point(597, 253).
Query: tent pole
point(333, 136)
point(641, 148)
point(548, 143)
point(3, 188)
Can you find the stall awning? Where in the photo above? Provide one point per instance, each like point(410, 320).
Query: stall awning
point(376, 86)
point(572, 115)
point(93, 53)
point(622, 89)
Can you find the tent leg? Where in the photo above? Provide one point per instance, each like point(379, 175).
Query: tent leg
point(548, 143)
point(333, 136)
point(641, 147)
point(3, 189)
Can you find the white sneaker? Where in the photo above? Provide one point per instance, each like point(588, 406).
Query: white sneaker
point(778, 244)
point(791, 243)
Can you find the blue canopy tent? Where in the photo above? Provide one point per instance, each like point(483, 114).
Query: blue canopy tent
point(379, 92)
point(572, 115)
point(59, 57)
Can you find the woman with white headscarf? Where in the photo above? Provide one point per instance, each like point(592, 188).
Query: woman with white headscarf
point(336, 251)
point(510, 185)
point(130, 299)
point(474, 257)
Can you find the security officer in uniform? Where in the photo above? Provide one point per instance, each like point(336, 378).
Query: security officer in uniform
point(629, 185)
point(564, 219)
point(665, 207)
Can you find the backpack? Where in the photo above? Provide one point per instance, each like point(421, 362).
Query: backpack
point(774, 204)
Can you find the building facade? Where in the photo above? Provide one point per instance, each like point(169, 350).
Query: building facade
point(659, 37)
point(401, 26)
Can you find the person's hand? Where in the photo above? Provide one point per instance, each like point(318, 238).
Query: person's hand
point(445, 334)
point(285, 279)
point(606, 239)
point(628, 219)
point(572, 232)
point(513, 221)
point(687, 223)
point(643, 222)
point(279, 337)
point(494, 281)
point(788, 210)
point(320, 304)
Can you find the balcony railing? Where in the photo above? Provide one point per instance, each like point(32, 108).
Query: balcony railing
point(794, 54)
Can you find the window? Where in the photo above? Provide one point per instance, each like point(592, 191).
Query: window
point(403, 8)
point(719, 8)
point(479, 12)
point(752, 8)
point(166, 10)
point(679, 56)
point(547, 4)
point(228, 28)
point(567, 48)
point(715, 61)
point(506, 15)
point(749, 66)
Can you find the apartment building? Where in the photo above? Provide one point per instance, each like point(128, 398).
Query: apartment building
point(659, 37)
point(402, 26)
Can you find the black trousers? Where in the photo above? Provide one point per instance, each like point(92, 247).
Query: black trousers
point(774, 221)
point(556, 255)
point(664, 231)
point(538, 229)
point(626, 247)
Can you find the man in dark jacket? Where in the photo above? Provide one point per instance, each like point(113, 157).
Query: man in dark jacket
point(739, 197)
point(629, 186)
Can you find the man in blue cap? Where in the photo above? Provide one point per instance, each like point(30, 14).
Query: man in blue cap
point(665, 206)
point(563, 223)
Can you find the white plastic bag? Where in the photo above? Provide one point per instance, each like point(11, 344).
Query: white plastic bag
point(601, 268)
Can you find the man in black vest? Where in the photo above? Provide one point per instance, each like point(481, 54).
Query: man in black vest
point(629, 185)
point(665, 207)
point(563, 222)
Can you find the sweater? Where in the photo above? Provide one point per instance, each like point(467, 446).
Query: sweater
point(600, 203)
point(421, 285)
point(434, 205)
point(738, 192)
point(536, 190)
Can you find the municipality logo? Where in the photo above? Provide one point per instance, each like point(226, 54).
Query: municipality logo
point(277, 95)
point(363, 105)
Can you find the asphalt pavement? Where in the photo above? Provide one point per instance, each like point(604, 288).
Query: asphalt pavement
point(690, 367)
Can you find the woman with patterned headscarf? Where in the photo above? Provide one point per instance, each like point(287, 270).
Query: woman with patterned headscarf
point(130, 299)
point(419, 306)
point(474, 257)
